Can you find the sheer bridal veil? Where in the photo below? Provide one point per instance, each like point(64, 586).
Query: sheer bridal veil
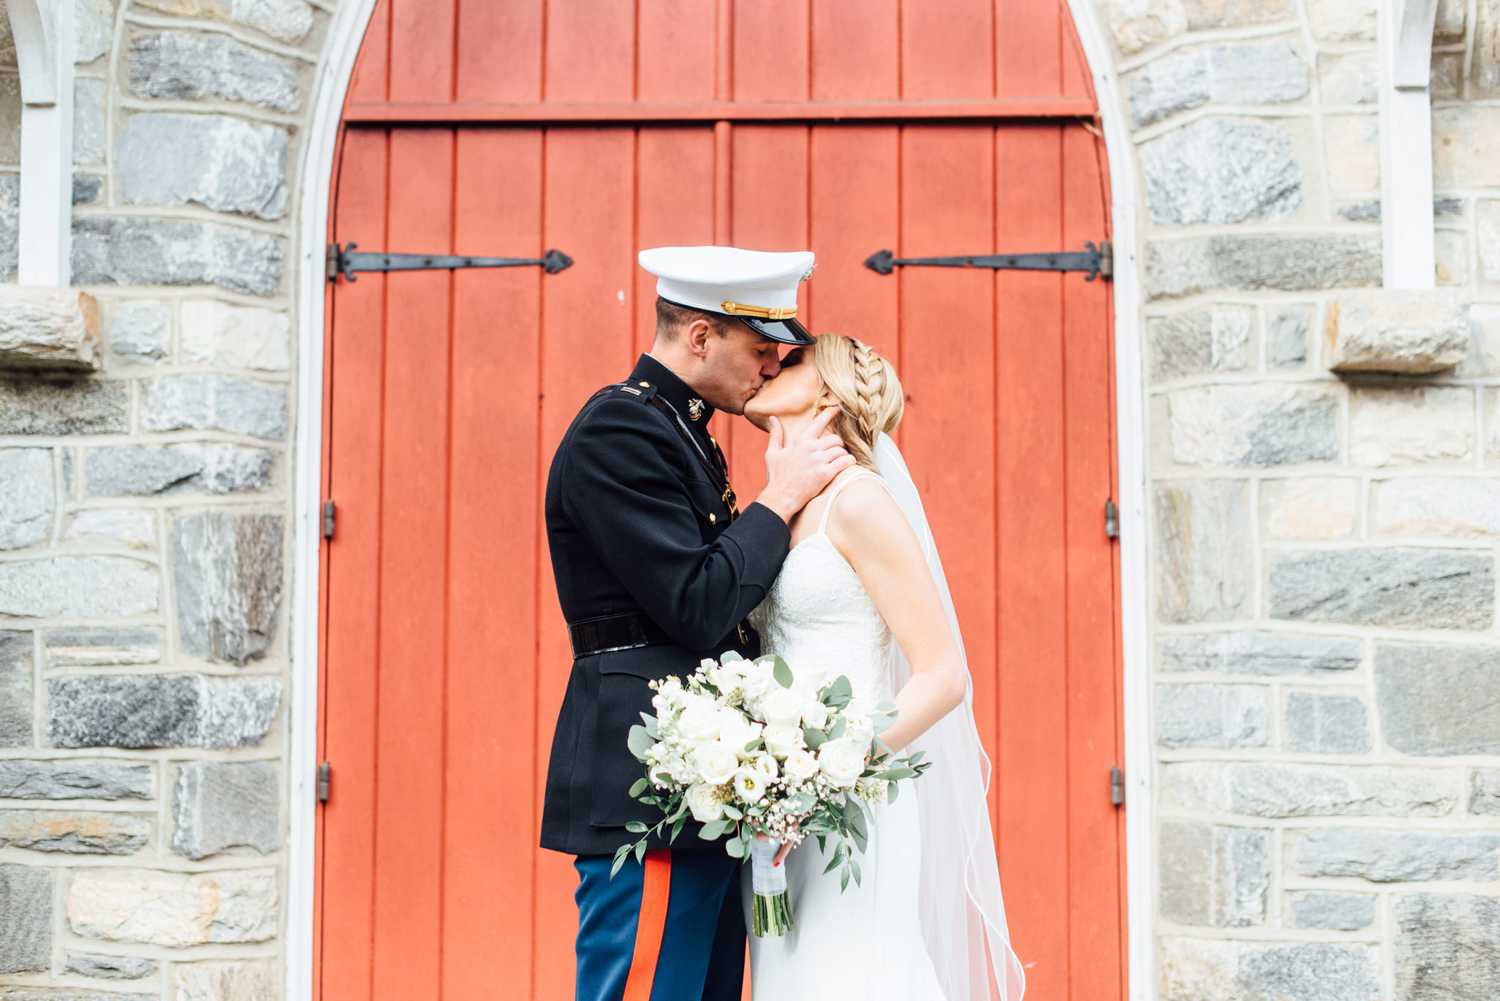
point(962, 913)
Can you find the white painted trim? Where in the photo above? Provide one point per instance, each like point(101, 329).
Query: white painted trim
point(345, 34)
point(43, 32)
point(1130, 427)
point(1409, 243)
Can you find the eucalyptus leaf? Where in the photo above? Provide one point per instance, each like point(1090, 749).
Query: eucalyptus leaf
point(839, 726)
point(636, 827)
point(712, 830)
point(781, 672)
point(843, 880)
point(640, 850)
point(733, 812)
point(677, 829)
point(855, 865)
point(619, 862)
point(814, 738)
point(640, 785)
point(891, 791)
point(735, 847)
point(833, 864)
point(730, 656)
point(640, 741)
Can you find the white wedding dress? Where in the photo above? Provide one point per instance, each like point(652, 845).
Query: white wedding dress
point(865, 942)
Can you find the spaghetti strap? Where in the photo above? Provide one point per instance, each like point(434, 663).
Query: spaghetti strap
point(863, 474)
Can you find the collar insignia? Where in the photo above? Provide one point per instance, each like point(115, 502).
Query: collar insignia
point(695, 409)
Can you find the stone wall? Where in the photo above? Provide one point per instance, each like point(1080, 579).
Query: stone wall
point(1325, 657)
point(145, 523)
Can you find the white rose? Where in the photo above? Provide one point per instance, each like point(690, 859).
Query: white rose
point(782, 739)
point(699, 720)
point(735, 730)
point(782, 707)
point(705, 803)
point(756, 678)
point(683, 772)
point(727, 678)
point(749, 784)
point(815, 714)
point(715, 762)
point(800, 765)
point(860, 727)
point(843, 761)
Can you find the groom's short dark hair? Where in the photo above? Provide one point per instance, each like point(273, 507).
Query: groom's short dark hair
point(671, 317)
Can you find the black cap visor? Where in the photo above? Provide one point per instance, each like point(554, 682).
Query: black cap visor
point(787, 331)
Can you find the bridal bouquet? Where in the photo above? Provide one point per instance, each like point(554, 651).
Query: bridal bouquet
point(750, 749)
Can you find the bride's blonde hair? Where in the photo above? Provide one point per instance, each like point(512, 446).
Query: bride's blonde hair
point(865, 385)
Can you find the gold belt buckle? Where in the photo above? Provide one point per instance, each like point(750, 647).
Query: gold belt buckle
point(739, 627)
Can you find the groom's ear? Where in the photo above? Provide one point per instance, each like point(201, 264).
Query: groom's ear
point(697, 334)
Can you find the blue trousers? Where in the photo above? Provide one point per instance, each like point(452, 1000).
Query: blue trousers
point(668, 929)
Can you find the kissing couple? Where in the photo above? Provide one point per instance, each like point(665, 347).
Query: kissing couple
point(658, 566)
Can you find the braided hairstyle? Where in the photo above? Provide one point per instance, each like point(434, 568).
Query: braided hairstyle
point(868, 393)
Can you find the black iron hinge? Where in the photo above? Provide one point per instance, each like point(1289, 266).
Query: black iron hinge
point(1095, 260)
point(328, 515)
point(1111, 519)
point(343, 260)
point(1116, 786)
point(325, 780)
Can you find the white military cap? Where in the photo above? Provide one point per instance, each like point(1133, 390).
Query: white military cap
point(755, 286)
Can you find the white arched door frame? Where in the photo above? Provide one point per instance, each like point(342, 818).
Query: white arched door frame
point(43, 33)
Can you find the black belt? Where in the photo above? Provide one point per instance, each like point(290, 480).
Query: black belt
point(621, 631)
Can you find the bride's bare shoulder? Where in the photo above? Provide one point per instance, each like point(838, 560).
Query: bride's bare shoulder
point(865, 514)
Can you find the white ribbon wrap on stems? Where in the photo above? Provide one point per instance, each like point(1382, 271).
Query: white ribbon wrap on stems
point(766, 878)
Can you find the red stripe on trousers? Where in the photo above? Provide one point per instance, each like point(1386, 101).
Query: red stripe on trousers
point(656, 887)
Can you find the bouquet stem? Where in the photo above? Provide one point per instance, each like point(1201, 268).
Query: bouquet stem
point(770, 912)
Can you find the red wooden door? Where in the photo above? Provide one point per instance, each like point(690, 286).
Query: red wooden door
point(844, 127)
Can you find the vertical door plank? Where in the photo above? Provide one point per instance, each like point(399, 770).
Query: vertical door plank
point(678, 55)
point(675, 207)
point(1076, 81)
point(853, 209)
point(347, 862)
point(413, 566)
point(499, 51)
point(1028, 47)
point(948, 370)
point(946, 49)
point(770, 50)
point(490, 843)
point(371, 76)
point(1034, 676)
point(421, 50)
point(770, 212)
point(1093, 731)
point(856, 51)
point(590, 54)
point(586, 310)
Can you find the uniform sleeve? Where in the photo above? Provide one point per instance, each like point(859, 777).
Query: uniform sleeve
point(628, 497)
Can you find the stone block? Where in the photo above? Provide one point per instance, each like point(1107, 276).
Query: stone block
point(1139, 24)
point(1342, 20)
point(93, 29)
point(1457, 506)
point(284, 20)
point(1466, 144)
point(207, 66)
point(1484, 74)
point(26, 497)
point(1289, 262)
point(173, 908)
point(1210, 715)
point(245, 337)
point(1351, 153)
point(160, 710)
point(1411, 425)
point(1483, 354)
point(104, 966)
point(253, 980)
point(83, 587)
point(1328, 910)
point(1492, 425)
point(1205, 969)
point(26, 916)
point(1212, 875)
point(1200, 342)
point(1203, 564)
point(1287, 329)
point(1381, 856)
point(110, 833)
point(64, 994)
point(1451, 248)
point(90, 103)
point(1427, 694)
point(209, 401)
point(140, 330)
point(1484, 792)
point(1445, 947)
point(17, 667)
point(132, 527)
point(1412, 332)
point(219, 162)
point(1267, 424)
point(1447, 75)
point(1256, 653)
point(1219, 171)
point(1487, 235)
point(1272, 71)
point(1327, 724)
point(1348, 77)
point(1401, 587)
point(181, 467)
point(1314, 507)
point(10, 205)
point(228, 570)
point(101, 647)
point(75, 778)
point(1281, 790)
point(58, 404)
point(87, 188)
point(138, 250)
point(48, 328)
point(226, 804)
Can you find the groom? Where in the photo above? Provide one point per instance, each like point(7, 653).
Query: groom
point(656, 568)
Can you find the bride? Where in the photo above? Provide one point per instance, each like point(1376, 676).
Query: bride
point(862, 591)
